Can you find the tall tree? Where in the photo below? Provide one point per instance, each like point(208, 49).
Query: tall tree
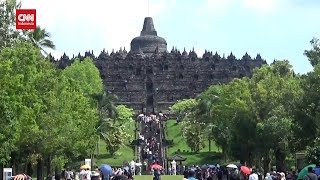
point(113, 126)
point(275, 90)
point(85, 77)
point(314, 53)
point(50, 115)
point(8, 33)
point(40, 38)
point(307, 113)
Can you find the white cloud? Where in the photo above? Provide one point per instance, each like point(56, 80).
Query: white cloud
point(112, 23)
point(261, 5)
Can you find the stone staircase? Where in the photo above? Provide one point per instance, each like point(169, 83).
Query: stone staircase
point(150, 130)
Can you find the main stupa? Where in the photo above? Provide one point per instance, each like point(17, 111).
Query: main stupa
point(148, 41)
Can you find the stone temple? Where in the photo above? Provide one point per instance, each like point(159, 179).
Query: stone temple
point(149, 78)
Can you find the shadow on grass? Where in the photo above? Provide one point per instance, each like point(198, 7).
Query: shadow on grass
point(201, 158)
point(109, 156)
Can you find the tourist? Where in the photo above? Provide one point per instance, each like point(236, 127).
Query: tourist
point(69, 174)
point(191, 175)
point(268, 177)
point(253, 175)
point(21, 177)
point(310, 175)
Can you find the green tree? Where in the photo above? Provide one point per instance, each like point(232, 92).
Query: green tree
point(49, 116)
point(313, 152)
point(25, 90)
point(211, 105)
point(40, 38)
point(306, 126)
point(183, 107)
point(114, 130)
point(191, 127)
point(85, 77)
point(314, 53)
point(8, 33)
point(276, 90)
point(194, 133)
point(238, 104)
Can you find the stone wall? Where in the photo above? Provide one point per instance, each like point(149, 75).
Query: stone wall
point(154, 83)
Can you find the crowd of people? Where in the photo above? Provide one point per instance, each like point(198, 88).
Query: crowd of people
point(150, 149)
point(212, 172)
point(150, 138)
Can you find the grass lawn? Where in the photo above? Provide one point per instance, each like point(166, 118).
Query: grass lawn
point(126, 153)
point(174, 132)
point(163, 177)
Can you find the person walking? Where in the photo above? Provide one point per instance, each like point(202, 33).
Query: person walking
point(310, 175)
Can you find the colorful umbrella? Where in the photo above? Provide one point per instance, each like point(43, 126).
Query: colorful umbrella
point(232, 166)
point(245, 170)
point(85, 167)
point(304, 171)
point(155, 166)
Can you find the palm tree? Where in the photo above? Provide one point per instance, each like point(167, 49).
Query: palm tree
point(40, 38)
point(107, 115)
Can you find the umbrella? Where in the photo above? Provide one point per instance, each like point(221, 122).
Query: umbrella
point(211, 166)
point(304, 171)
point(155, 166)
point(204, 166)
point(232, 166)
point(21, 176)
point(85, 167)
point(245, 169)
point(138, 164)
point(106, 170)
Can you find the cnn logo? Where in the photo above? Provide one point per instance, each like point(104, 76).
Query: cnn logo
point(26, 19)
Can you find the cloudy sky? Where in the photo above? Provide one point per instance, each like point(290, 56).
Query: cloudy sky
point(277, 29)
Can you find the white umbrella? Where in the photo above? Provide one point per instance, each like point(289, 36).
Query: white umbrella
point(138, 164)
point(232, 166)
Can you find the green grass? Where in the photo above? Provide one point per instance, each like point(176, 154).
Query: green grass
point(168, 177)
point(163, 177)
point(174, 132)
point(126, 153)
point(143, 177)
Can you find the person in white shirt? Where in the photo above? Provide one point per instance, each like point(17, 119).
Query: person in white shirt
point(87, 174)
point(253, 175)
point(268, 177)
point(69, 174)
point(141, 137)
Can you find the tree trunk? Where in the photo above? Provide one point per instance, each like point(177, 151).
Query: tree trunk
point(40, 169)
point(280, 159)
point(29, 169)
point(14, 164)
point(224, 153)
point(209, 144)
point(250, 159)
point(266, 163)
point(1, 171)
point(49, 167)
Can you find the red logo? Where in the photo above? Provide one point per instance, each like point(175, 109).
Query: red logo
point(26, 19)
